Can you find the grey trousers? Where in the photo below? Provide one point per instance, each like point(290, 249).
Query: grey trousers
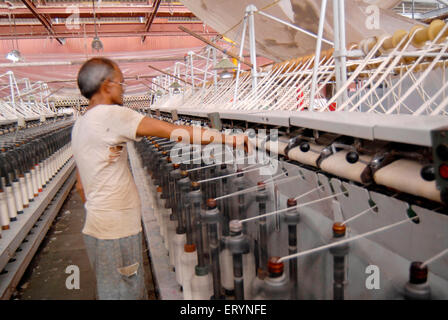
point(118, 266)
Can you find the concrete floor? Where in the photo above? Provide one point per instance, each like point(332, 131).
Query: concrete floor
point(63, 246)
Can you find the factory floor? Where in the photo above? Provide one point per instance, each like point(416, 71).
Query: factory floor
point(63, 246)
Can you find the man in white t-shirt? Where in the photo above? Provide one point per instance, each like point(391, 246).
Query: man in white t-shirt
point(112, 230)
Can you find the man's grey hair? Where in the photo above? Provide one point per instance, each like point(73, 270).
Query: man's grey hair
point(92, 74)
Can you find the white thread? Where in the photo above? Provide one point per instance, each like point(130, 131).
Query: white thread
point(337, 243)
point(437, 256)
point(286, 209)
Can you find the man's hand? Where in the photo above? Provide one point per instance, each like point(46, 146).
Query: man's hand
point(242, 142)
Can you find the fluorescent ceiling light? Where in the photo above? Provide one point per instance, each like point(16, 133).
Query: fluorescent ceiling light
point(14, 56)
point(226, 75)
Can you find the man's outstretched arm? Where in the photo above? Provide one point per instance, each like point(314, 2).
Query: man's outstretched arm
point(158, 128)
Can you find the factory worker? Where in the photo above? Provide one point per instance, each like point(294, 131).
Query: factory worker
point(112, 230)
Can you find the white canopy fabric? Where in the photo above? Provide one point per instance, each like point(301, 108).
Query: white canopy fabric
point(279, 42)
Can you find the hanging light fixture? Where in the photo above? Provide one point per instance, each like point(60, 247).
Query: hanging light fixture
point(176, 87)
point(97, 45)
point(227, 67)
point(14, 55)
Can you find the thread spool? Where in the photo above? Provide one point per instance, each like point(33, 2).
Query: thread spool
point(352, 67)
point(159, 209)
point(367, 45)
point(29, 186)
point(404, 175)
point(338, 165)
point(299, 63)
point(310, 58)
point(12, 210)
point(308, 158)
point(226, 265)
point(420, 36)
point(293, 64)
point(4, 217)
point(17, 190)
point(398, 36)
point(189, 261)
point(435, 27)
point(201, 284)
point(387, 44)
point(24, 193)
point(179, 242)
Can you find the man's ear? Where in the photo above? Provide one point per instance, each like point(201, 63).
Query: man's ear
point(105, 86)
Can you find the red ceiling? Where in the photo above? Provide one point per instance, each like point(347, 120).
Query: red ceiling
point(164, 40)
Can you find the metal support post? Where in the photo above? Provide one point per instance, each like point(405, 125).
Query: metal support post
point(253, 50)
point(317, 54)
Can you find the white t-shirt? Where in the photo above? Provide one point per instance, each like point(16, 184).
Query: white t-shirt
point(99, 148)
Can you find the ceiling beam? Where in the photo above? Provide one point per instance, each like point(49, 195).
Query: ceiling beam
point(47, 24)
point(156, 5)
point(37, 31)
point(102, 11)
point(118, 60)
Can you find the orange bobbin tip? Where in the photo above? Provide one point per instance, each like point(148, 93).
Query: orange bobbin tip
point(418, 274)
point(211, 203)
point(176, 166)
point(189, 248)
point(159, 189)
point(291, 202)
point(339, 229)
point(274, 266)
point(184, 173)
point(195, 185)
